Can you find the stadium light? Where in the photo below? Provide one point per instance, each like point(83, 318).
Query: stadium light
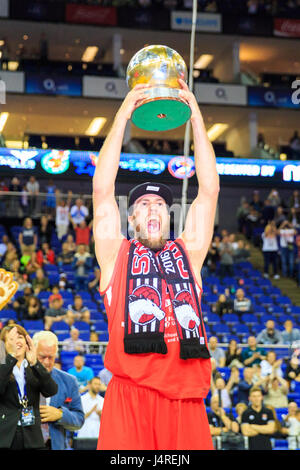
point(95, 126)
point(3, 119)
point(216, 130)
point(203, 61)
point(90, 54)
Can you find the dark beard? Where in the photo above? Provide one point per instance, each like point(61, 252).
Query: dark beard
point(156, 245)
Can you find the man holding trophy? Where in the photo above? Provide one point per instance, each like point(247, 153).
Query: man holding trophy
point(151, 285)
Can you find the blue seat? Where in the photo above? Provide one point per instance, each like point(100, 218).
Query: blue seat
point(283, 300)
point(241, 329)
point(93, 359)
point(220, 329)
point(60, 327)
point(230, 318)
point(33, 325)
point(225, 372)
point(81, 326)
point(8, 314)
point(100, 325)
point(257, 328)
point(212, 319)
point(249, 319)
point(267, 317)
point(103, 337)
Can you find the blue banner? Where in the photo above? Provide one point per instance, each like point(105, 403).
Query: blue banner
point(72, 164)
point(273, 97)
point(53, 84)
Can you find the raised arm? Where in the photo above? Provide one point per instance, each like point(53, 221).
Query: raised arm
point(106, 219)
point(199, 224)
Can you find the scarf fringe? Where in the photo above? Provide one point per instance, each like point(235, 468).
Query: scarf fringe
point(193, 351)
point(145, 345)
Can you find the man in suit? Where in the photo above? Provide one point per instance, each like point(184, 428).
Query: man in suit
point(64, 411)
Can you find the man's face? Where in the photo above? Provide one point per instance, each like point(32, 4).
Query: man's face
point(270, 327)
point(214, 403)
point(251, 341)
point(74, 334)
point(213, 342)
point(78, 362)
point(46, 355)
point(151, 221)
point(256, 398)
point(95, 386)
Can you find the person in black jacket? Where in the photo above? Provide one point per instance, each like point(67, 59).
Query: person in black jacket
point(22, 379)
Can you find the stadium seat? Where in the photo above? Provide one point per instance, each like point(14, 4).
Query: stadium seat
point(60, 327)
point(81, 326)
point(32, 326)
point(93, 359)
point(103, 337)
point(100, 325)
point(230, 318)
point(212, 319)
point(8, 314)
point(241, 330)
point(220, 329)
point(249, 319)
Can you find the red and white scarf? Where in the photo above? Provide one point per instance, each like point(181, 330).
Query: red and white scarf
point(150, 275)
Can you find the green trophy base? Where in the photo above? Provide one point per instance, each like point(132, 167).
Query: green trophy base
point(161, 113)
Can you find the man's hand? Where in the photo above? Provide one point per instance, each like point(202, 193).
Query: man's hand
point(50, 413)
point(190, 99)
point(132, 100)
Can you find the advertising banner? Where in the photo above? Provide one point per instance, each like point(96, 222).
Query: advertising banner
point(217, 93)
point(273, 97)
point(145, 18)
point(206, 22)
point(37, 11)
point(53, 84)
point(4, 9)
point(286, 27)
point(91, 14)
point(114, 88)
point(136, 167)
point(14, 81)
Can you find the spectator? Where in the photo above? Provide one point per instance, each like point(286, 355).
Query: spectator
point(274, 198)
point(94, 348)
point(50, 199)
point(294, 218)
point(226, 257)
point(82, 232)
point(287, 235)
point(297, 261)
point(62, 219)
point(73, 343)
point(217, 353)
point(78, 311)
point(252, 354)
point(3, 245)
point(258, 422)
point(223, 305)
point(294, 201)
point(20, 305)
point(33, 188)
point(63, 283)
point(79, 212)
point(82, 264)
point(240, 407)
point(22, 281)
point(271, 365)
point(244, 386)
point(241, 303)
point(55, 312)
point(45, 230)
point(10, 256)
point(241, 215)
point(27, 237)
point(82, 373)
point(15, 200)
point(19, 429)
point(66, 256)
point(276, 391)
point(279, 216)
point(64, 412)
point(290, 334)
point(268, 212)
point(35, 310)
point(269, 335)
point(291, 426)
point(256, 202)
point(70, 243)
point(94, 284)
point(222, 391)
point(242, 252)
point(92, 403)
point(233, 355)
point(31, 264)
point(219, 421)
point(292, 371)
point(270, 249)
point(45, 255)
point(40, 282)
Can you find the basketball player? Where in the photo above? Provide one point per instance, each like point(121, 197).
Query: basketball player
point(157, 350)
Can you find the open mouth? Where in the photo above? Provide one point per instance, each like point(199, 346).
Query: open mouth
point(153, 226)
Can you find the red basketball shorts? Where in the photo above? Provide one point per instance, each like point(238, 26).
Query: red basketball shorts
point(138, 418)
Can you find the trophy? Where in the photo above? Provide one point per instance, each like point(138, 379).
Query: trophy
point(160, 67)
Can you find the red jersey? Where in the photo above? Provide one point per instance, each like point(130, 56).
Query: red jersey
point(168, 374)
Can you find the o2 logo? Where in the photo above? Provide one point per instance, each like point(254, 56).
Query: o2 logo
point(296, 94)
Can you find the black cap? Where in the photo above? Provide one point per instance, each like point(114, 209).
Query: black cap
point(159, 189)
